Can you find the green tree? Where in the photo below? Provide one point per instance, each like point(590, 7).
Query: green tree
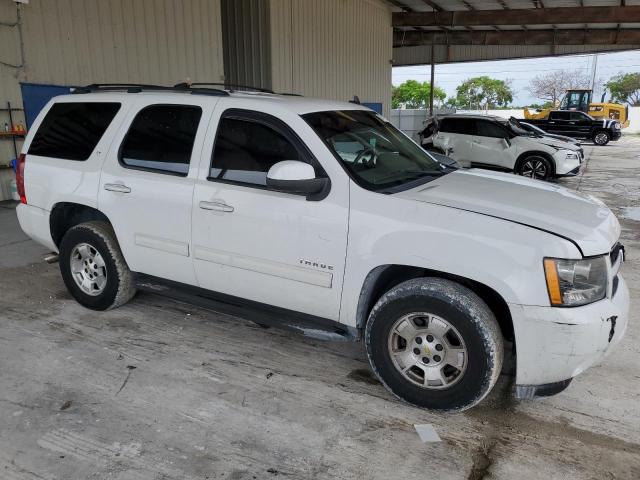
point(484, 92)
point(625, 87)
point(414, 94)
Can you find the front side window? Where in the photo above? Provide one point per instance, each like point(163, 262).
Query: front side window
point(71, 131)
point(161, 139)
point(377, 155)
point(579, 116)
point(490, 129)
point(245, 149)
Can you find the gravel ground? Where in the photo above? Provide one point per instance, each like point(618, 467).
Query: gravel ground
point(159, 389)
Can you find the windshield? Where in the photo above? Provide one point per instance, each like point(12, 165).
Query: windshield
point(377, 155)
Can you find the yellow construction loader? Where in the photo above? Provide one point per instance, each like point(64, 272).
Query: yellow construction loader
point(581, 100)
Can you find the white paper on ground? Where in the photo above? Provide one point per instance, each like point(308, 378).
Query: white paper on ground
point(427, 433)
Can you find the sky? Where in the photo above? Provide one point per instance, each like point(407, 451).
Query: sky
point(449, 76)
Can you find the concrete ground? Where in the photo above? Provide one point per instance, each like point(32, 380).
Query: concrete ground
point(159, 389)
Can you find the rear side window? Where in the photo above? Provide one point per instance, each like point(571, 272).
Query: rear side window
point(161, 138)
point(246, 149)
point(560, 116)
point(462, 126)
point(72, 130)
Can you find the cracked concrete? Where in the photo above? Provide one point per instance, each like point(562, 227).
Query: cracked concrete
point(217, 397)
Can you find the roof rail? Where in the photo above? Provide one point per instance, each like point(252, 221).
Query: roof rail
point(228, 86)
point(138, 87)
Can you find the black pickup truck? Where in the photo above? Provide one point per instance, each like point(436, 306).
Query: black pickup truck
point(579, 125)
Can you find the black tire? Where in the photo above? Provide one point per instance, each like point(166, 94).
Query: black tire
point(601, 137)
point(462, 309)
point(119, 287)
point(535, 166)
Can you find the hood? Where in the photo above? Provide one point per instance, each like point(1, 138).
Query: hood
point(580, 218)
point(557, 143)
point(562, 138)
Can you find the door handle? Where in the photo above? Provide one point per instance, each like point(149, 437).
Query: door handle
point(217, 206)
point(117, 187)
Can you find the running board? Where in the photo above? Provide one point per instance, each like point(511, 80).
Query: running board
point(260, 313)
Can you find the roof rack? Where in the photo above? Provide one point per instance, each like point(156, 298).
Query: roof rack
point(228, 86)
point(138, 87)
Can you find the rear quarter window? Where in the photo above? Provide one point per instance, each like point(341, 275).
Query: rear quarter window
point(71, 131)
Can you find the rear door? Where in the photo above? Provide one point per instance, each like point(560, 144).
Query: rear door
point(146, 187)
point(455, 137)
point(491, 145)
point(559, 123)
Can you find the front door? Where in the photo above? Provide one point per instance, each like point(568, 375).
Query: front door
point(582, 124)
point(491, 145)
point(146, 189)
point(257, 244)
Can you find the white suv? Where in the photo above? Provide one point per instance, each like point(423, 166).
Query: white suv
point(499, 144)
point(322, 216)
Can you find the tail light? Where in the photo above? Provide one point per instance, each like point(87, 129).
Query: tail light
point(20, 177)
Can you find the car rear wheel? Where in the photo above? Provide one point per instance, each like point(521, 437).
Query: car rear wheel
point(601, 138)
point(535, 166)
point(93, 268)
point(435, 344)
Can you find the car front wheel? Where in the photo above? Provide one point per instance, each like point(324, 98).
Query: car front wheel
point(435, 344)
point(93, 268)
point(601, 138)
point(536, 167)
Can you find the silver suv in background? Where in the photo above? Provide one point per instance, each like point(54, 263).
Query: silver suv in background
point(499, 144)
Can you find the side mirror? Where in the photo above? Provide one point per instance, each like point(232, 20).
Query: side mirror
point(293, 176)
point(506, 142)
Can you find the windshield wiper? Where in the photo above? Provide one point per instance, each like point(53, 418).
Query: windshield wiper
point(415, 174)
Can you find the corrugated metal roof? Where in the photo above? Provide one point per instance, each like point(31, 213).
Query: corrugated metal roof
point(412, 44)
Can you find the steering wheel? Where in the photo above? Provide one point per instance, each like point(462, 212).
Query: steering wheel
point(369, 163)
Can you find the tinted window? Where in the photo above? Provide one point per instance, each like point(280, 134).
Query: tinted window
point(245, 150)
point(463, 126)
point(560, 115)
point(579, 116)
point(161, 138)
point(72, 130)
point(490, 129)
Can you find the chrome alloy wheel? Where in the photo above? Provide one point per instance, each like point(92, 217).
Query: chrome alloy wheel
point(88, 269)
point(534, 168)
point(427, 350)
point(601, 138)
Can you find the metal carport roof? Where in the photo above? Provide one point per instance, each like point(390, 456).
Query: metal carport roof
point(470, 30)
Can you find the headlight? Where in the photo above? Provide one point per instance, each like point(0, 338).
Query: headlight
point(616, 126)
point(573, 156)
point(575, 282)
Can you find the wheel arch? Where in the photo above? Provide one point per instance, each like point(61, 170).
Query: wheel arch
point(384, 277)
point(529, 153)
point(65, 215)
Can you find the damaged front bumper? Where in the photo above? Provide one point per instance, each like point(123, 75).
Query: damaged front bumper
point(553, 344)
